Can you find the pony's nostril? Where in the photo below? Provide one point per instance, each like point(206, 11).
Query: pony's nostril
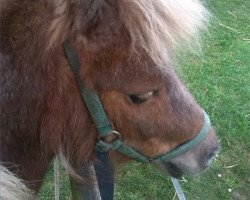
point(212, 155)
point(216, 150)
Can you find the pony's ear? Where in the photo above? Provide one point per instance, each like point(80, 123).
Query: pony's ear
point(89, 18)
point(93, 17)
point(89, 14)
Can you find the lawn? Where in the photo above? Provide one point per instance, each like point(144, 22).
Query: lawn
point(219, 78)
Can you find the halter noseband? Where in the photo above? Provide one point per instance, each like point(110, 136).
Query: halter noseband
point(105, 129)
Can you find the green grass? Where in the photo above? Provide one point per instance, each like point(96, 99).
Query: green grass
point(220, 81)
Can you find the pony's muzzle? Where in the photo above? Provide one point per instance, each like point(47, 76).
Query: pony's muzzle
point(196, 160)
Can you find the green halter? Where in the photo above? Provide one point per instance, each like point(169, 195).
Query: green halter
point(105, 129)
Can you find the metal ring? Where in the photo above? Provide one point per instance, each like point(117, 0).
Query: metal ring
point(115, 133)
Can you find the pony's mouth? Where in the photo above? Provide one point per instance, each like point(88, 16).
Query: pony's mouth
point(177, 171)
point(173, 170)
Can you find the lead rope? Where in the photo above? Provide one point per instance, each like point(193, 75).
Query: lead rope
point(178, 189)
point(57, 178)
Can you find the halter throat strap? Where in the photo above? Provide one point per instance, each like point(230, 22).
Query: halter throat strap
point(105, 129)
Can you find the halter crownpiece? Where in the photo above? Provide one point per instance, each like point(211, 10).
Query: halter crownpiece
point(105, 129)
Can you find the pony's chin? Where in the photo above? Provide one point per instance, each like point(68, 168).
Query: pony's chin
point(173, 170)
point(177, 172)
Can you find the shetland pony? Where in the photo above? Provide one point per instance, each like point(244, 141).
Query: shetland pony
point(126, 49)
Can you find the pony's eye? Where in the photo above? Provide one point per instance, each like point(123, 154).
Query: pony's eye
point(142, 98)
point(137, 99)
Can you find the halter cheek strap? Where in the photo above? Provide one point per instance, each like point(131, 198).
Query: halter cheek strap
point(105, 129)
point(91, 99)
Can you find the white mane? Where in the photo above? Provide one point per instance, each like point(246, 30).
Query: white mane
point(12, 188)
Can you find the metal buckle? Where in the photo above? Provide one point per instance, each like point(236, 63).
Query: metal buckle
point(116, 135)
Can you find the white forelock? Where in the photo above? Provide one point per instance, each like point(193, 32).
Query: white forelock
point(159, 26)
